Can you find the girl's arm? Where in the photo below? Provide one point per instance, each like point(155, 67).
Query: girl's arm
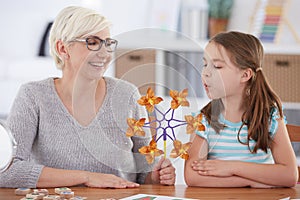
point(198, 151)
point(283, 173)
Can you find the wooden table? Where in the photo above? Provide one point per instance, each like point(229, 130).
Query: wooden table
point(176, 191)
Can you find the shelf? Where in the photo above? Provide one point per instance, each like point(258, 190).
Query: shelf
point(175, 41)
point(289, 49)
point(158, 39)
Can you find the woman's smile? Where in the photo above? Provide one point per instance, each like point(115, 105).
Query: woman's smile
point(98, 64)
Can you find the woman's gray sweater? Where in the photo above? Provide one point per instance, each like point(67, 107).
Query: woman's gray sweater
point(48, 135)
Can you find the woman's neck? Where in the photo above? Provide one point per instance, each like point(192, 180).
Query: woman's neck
point(83, 98)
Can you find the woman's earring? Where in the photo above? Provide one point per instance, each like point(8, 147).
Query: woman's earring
point(248, 92)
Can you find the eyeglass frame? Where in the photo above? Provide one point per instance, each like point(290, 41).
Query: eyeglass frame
point(101, 42)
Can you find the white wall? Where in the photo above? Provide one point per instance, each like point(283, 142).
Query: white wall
point(22, 25)
point(23, 22)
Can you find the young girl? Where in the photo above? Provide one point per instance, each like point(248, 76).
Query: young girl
point(245, 142)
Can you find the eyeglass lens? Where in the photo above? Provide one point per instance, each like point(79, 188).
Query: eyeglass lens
point(94, 44)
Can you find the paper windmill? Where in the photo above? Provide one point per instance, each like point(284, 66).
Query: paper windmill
point(164, 127)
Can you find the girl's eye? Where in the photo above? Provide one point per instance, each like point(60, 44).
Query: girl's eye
point(217, 67)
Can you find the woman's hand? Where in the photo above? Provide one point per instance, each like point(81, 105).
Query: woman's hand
point(219, 168)
point(163, 173)
point(101, 180)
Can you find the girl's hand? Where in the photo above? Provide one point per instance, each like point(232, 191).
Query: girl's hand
point(219, 168)
point(163, 172)
point(101, 180)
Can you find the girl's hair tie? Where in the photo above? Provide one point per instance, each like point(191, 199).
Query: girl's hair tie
point(258, 69)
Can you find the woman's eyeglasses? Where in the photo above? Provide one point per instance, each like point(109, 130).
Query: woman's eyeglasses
point(94, 43)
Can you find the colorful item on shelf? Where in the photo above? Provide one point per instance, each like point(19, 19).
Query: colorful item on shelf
point(164, 128)
point(273, 14)
point(270, 19)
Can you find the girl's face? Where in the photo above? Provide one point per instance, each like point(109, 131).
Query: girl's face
point(90, 64)
point(220, 77)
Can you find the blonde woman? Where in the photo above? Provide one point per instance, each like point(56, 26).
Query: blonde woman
point(71, 130)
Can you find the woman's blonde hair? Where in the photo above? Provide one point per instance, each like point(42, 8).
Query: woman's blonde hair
point(74, 22)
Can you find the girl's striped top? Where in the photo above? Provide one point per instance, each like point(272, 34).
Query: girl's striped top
point(226, 146)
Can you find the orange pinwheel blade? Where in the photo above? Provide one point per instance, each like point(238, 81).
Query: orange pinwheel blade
point(174, 154)
point(149, 158)
point(186, 146)
point(141, 122)
point(174, 104)
point(184, 156)
point(144, 150)
point(129, 132)
point(201, 127)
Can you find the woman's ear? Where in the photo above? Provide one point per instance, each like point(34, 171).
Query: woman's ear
point(246, 75)
point(62, 50)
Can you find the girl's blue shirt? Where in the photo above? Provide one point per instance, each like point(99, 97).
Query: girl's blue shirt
point(226, 145)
